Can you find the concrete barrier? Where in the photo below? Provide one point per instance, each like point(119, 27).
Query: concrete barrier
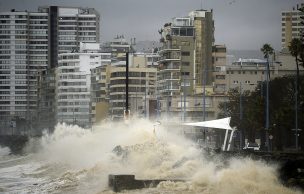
point(128, 182)
point(291, 170)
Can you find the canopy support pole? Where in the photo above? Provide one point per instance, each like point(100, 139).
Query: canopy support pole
point(225, 140)
point(231, 135)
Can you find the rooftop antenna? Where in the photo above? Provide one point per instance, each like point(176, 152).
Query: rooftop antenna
point(201, 4)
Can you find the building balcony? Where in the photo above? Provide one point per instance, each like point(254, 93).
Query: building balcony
point(119, 63)
point(117, 100)
point(193, 108)
point(168, 50)
point(170, 67)
point(168, 59)
point(170, 89)
point(172, 77)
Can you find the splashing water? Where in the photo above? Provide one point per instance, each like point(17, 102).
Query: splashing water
point(4, 151)
point(75, 160)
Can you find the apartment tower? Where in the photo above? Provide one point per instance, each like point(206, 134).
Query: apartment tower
point(291, 25)
point(186, 55)
point(30, 42)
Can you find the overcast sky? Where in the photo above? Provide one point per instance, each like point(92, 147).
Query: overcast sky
point(240, 24)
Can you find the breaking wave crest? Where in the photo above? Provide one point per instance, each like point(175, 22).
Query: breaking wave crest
point(76, 160)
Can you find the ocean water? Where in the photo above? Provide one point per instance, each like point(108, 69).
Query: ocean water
point(75, 160)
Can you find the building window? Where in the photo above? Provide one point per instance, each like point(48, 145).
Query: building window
point(185, 53)
point(220, 77)
point(186, 63)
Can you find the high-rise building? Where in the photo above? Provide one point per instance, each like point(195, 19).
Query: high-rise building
point(46, 102)
point(108, 88)
point(204, 39)
point(73, 84)
point(219, 61)
point(68, 26)
point(142, 82)
point(30, 43)
point(23, 52)
point(186, 55)
point(118, 48)
point(291, 25)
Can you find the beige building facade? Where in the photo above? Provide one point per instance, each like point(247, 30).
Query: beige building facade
point(109, 87)
point(291, 25)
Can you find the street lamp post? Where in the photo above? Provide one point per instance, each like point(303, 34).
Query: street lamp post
point(185, 109)
point(181, 104)
point(146, 96)
point(241, 117)
point(136, 99)
point(296, 114)
point(267, 105)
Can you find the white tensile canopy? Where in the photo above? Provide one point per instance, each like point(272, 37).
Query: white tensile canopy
point(217, 124)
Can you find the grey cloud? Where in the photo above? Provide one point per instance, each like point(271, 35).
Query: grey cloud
point(243, 24)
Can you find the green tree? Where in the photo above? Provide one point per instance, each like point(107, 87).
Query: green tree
point(252, 106)
point(301, 54)
point(295, 48)
point(281, 120)
point(267, 51)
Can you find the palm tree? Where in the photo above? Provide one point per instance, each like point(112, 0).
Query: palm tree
point(267, 51)
point(296, 48)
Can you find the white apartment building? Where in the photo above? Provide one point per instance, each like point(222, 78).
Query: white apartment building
point(118, 48)
point(73, 83)
point(23, 52)
point(68, 26)
point(30, 43)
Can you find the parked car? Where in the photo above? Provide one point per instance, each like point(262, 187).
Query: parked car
point(252, 146)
